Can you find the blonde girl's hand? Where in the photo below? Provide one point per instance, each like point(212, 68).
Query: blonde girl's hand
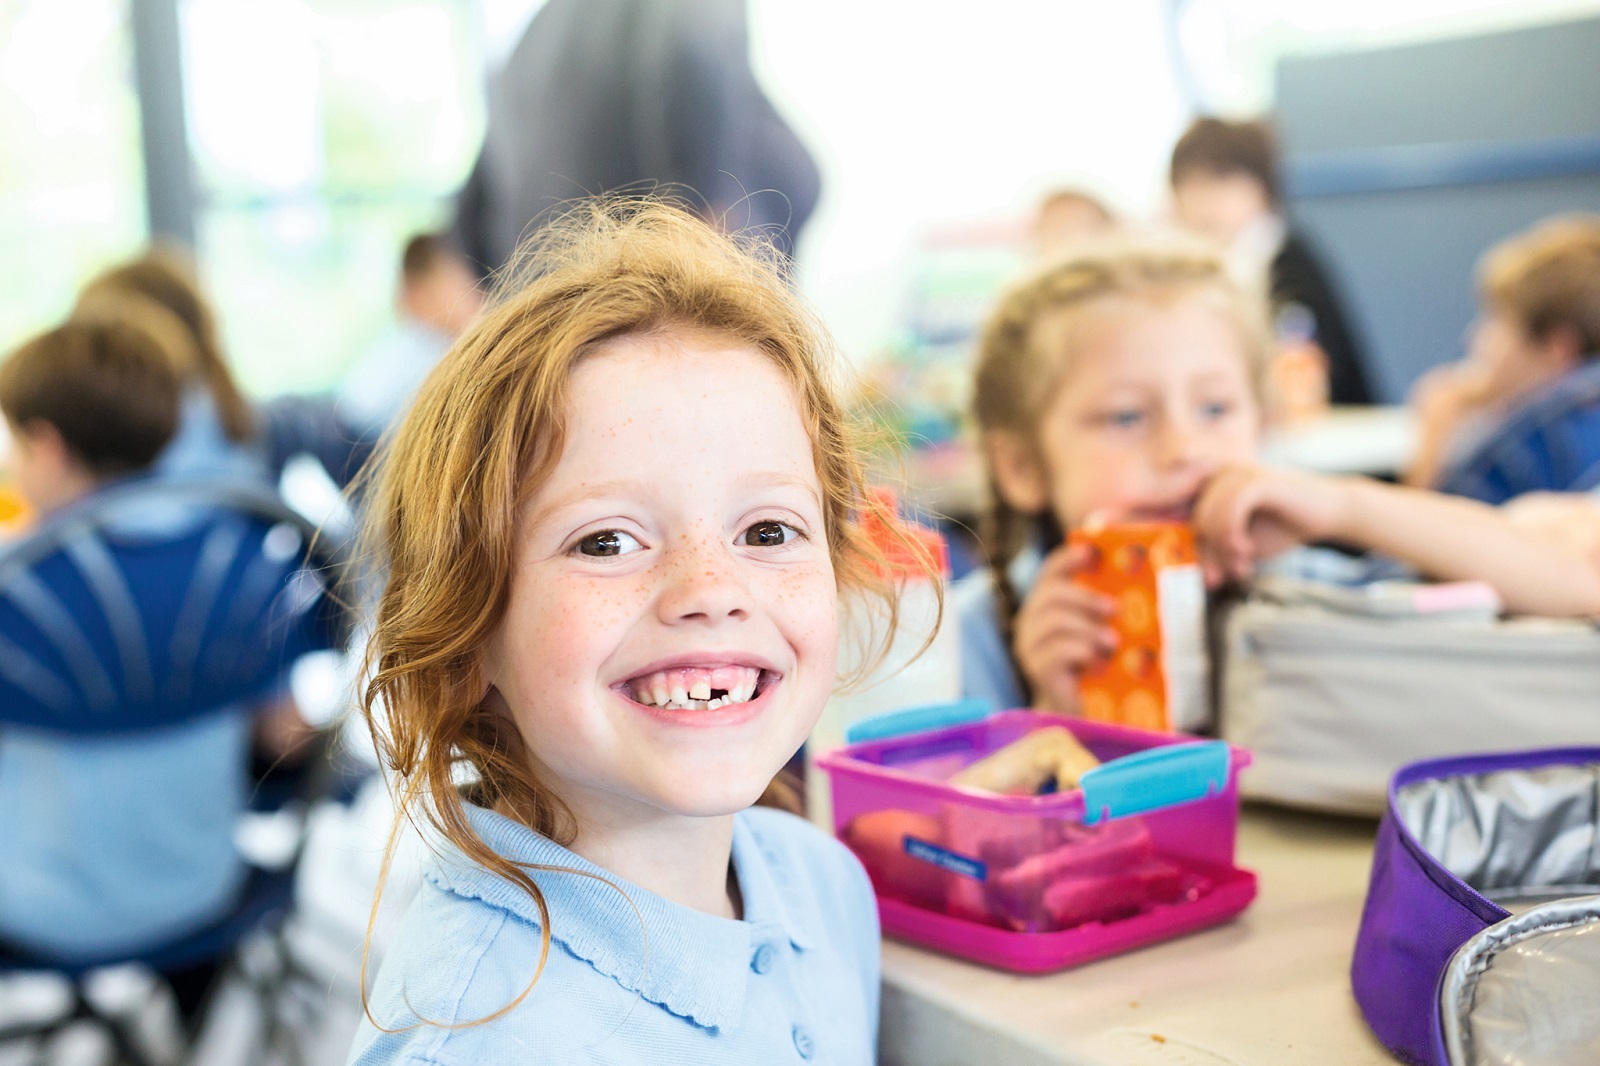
point(1245, 514)
point(1060, 629)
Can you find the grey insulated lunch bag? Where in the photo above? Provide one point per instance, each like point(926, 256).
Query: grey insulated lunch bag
point(1334, 688)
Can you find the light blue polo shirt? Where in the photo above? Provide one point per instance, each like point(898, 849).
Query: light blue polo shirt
point(796, 981)
point(987, 670)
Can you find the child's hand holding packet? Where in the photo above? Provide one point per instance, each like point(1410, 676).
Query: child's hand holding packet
point(1158, 677)
point(1061, 630)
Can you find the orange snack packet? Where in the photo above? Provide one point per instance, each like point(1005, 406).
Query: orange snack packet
point(1157, 678)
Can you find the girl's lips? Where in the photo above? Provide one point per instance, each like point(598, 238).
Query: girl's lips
point(707, 660)
point(1181, 511)
point(1176, 514)
point(693, 687)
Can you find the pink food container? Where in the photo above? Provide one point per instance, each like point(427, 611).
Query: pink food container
point(1142, 851)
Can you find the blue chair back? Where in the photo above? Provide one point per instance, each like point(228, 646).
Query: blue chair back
point(156, 601)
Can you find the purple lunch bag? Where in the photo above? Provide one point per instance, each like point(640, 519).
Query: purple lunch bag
point(1480, 939)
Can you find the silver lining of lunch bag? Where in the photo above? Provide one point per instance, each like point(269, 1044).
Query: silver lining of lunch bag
point(1512, 834)
point(1524, 989)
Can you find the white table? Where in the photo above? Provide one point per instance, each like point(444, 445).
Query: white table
point(1272, 987)
point(1378, 441)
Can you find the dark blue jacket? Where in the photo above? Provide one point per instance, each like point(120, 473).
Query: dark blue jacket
point(1548, 443)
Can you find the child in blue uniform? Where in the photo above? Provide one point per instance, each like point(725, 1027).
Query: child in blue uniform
point(129, 840)
point(616, 524)
point(1120, 385)
point(1521, 413)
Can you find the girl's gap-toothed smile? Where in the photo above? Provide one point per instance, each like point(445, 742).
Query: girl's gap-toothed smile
point(697, 688)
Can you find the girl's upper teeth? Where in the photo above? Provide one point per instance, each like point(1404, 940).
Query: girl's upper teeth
point(696, 688)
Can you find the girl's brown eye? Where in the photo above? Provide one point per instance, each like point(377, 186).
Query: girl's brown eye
point(606, 543)
point(769, 535)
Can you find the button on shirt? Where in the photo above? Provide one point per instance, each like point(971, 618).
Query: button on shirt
point(795, 982)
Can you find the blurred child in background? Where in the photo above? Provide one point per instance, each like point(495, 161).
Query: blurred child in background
point(1521, 413)
point(1065, 218)
point(1225, 188)
point(220, 436)
point(436, 299)
point(216, 426)
point(93, 400)
point(88, 870)
point(1121, 386)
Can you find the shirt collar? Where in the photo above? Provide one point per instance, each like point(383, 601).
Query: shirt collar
point(695, 965)
point(421, 329)
point(1256, 246)
point(1023, 570)
point(771, 894)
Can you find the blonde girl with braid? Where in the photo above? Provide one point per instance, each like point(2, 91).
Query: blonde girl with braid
point(1121, 386)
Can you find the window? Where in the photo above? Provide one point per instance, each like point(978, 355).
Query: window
point(324, 133)
point(71, 175)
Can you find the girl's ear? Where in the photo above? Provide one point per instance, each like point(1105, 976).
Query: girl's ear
point(46, 446)
point(1017, 471)
point(1561, 349)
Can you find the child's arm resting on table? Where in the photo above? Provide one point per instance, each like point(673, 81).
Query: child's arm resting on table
point(1248, 513)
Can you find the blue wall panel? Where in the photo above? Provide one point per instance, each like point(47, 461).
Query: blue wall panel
point(1404, 164)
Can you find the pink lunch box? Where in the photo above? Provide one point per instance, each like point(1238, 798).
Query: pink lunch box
point(1142, 851)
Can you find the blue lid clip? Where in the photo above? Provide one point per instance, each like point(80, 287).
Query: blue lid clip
point(1154, 778)
point(917, 720)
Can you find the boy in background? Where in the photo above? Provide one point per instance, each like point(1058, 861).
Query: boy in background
point(138, 845)
point(1225, 187)
point(1065, 218)
point(437, 298)
point(91, 401)
point(1521, 413)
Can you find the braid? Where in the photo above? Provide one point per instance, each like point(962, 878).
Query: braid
point(1002, 533)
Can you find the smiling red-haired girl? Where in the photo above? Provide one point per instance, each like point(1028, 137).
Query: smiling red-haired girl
point(615, 529)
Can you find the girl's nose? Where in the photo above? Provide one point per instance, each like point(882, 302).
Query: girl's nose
point(702, 584)
point(1178, 444)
